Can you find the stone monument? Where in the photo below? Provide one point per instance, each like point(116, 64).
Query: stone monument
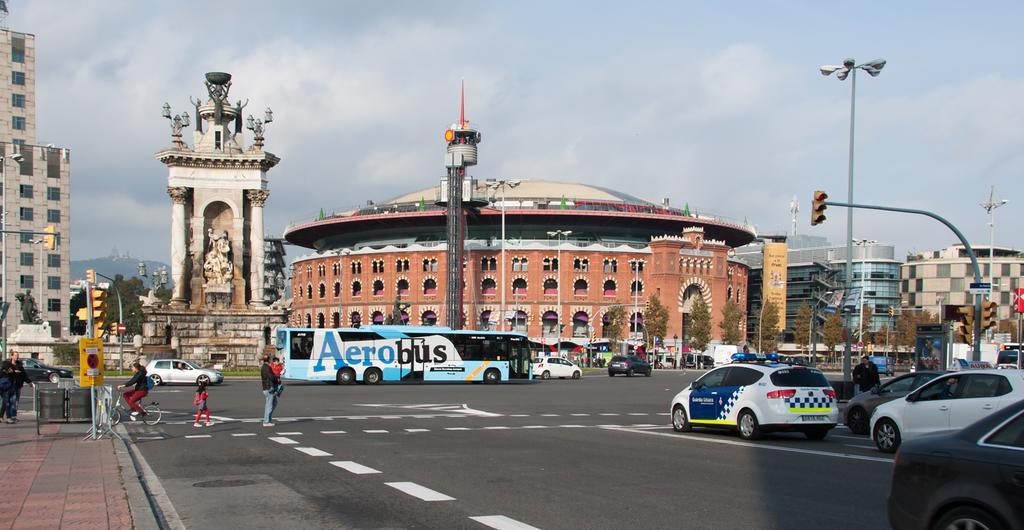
point(218, 187)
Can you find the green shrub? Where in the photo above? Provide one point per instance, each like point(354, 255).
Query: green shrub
point(65, 354)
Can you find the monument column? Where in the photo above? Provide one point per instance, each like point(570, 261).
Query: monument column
point(179, 195)
point(256, 200)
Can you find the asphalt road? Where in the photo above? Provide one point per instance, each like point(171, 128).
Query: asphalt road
point(593, 453)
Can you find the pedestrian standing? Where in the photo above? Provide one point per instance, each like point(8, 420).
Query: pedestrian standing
point(278, 367)
point(20, 378)
point(10, 412)
point(270, 382)
point(201, 405)
point(865, 375)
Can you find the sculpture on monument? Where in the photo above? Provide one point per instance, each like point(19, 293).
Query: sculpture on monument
point(217, 268)
point(29, 310)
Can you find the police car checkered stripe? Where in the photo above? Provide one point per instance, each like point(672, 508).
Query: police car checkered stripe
point(730, 403)
point(809, 402)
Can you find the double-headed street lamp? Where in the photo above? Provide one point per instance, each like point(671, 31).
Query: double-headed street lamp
point(560, 236)
point(503, 185)
point(849, 69)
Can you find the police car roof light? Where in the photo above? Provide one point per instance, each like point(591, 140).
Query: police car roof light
point(754, 357)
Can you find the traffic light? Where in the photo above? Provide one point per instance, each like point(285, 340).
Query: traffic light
point(50, 239)
point(988, 314)
point(99, 310)
point(965, 324)
point(90, 276)
point(961, 334)
point(892, 312)
point(818, 207)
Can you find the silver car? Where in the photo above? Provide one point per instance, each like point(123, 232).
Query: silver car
point(164, 371)
point(860, 408)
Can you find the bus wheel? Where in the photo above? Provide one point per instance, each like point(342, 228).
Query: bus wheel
point(492, 376)
point(372, 377)
point(346, 376)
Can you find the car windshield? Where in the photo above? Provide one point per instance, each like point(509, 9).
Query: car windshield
point(799, 377)
point(618, 359)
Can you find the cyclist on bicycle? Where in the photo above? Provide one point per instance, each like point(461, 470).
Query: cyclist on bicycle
point(132, 397)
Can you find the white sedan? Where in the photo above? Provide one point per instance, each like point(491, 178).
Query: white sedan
point(948, 403)
point(548, 367)
point(164, 371)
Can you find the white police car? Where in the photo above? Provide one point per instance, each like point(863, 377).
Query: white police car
point(756, 394)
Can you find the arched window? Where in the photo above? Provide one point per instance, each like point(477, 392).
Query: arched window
point(549, 324)
point(337, 289)
point(636, 287)
point(355, 318)
point(519, 322)
point(403, 287)
point(378, 288)
point(336, 320)
point(636, 265)
point(309, 320)
point(322, 290)
point(428, 318)
point(309, 291)
point(377, 317)
point(357, 288)
point(518, 286)
point(426, 265)
point(611, 265)
point(298, 291)
point(402, 265)
point(520, 264)
point(580, 287)
point(433, 265)
point(430, 286)
point(485, 321)
point(606, 326)
point(550, 286)
point(320, 320)
point(488, 286)
point(580, 324)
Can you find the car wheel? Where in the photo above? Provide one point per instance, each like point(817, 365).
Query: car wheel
point(748, 426)
point(54, 377)
point(492, 376)
point(372, 377)
point(649, 371)
point(203, 380)
point(629, 373)
point(857, 420)
point(545, 375)
point(967, 517)
point(816, 434)
point(346, 376)
point(680, 422)
point(156, 379)
point(887, 436)
point(576, 375)
point(611, 374)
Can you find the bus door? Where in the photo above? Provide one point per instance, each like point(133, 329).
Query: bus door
point(409, 368)
point(519, 358)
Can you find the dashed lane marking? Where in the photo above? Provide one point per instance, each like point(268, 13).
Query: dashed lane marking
point(497, 428)
point(456, 428)
point(609, 414)
point(197, 436)
point(572, 426)
point(283, 440)
point(420, 492)
point(417, 430)
point(332, 432)
point(637, 413)
point(289, 434)
point(149, 437)
point(500, 522)
point(244, 434)
point(579, 414)
point(518, 415)
point(535, 426)
point(312, 451)
point(354, 468)
point(375, 431)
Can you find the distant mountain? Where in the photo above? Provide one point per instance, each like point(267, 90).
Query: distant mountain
point(126, 266)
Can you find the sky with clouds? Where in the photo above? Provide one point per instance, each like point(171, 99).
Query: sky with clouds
point(720, 106)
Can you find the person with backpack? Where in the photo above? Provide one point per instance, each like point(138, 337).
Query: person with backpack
point(200, 402)
point(7, 382)
point(141, 385)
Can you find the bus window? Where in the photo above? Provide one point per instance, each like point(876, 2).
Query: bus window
point(496, 348)
point(279, 339)
point(302, 345)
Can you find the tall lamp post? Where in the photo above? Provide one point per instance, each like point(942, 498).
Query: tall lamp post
point(503, 185)
point(560, 236)
point(3, 235)
point(849, 69)
point(990, 207)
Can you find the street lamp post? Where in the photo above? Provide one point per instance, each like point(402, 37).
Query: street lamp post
point(560, 236)
point(503, 185)
point(873, 68)
point(990, 207)
point(3, 235)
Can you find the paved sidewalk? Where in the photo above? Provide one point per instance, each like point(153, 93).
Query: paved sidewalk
point(59, 480)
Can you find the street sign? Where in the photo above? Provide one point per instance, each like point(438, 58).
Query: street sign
point(122, 328)
point(90, 362)
point(980, 288)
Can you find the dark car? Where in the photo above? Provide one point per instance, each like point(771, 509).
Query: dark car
point(860, 408)
point(38, 372)
point(973, 478)
point(628, 365)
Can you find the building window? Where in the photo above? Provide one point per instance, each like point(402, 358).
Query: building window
point(637, 287)
point(520, 265)
point(609, 288)
point(429, 286)
point(1006, 269)
point(636, 265)
point(580, 287)
point(52, 194)
point(17, 48)
point(26, 238)
point(18, 100)
point(551, 264)
point(18, 123)
point(52, 216)
point(403, 287)
point(17, 78)
point(550, 286)
point(27, 259)
point(611, 265)
point(337, 290)
point(25, 191)
point(309, 292)
point(357, 267)
point(25, 213)
point(322, 290)
point(956, 285)
point(378, 288)
point(53, 261)
point(355, 319)
point(943, 270)
point(518, 286)
point(53, 304)
point(488, 286)
point(402, 265)
point(53, 282)
point(581, 265)
point(357, 288)
point(26, 281)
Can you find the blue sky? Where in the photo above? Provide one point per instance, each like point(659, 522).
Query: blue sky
point(717, 105)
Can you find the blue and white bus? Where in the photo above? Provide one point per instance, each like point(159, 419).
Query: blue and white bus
point(373, 354)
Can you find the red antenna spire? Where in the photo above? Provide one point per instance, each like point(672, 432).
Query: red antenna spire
point(462, 106)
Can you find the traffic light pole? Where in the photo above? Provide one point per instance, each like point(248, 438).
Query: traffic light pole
point(120, 319)
point(976, 356)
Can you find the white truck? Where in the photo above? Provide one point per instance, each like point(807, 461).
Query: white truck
point(721, 353)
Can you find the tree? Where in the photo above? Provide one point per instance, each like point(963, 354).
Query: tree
point(882, 336)
point(802, 326)
point(832, 333)
point(732, 320)
point(616, 324)
point(656, 319)
point(700, 324)
point(768, 328)
point(77, 302)
point(866, 336)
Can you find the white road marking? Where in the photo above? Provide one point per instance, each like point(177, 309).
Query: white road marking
point(644, 425)
point(496, 428)
point(535, 427)
point(222, 418)
point(420, 492)
point(375, 431)
point(861, 446)
point(417, 430)
point(354, 468)
point(572, 426)
point(198, 436)
point(312, 451)
point(609, 413)
point(519, 415)
point(754, 445)
point(637, 413)
point(500, 522)
point(283, 440)
point(579, 414)
point(244, 434)
point(861, 438)
point(289, 434)
point(153, 437)
point(609, 426)
point(332, 432)
point(456, 428)
point(550, 415)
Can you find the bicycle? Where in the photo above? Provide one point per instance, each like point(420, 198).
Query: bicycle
point(152, 417)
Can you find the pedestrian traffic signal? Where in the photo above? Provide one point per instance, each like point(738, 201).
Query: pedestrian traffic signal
point(988, 314)
point(50, 239)
point(818, 207)
point(99, 310)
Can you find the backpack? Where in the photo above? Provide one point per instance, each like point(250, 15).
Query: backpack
point(149, 384)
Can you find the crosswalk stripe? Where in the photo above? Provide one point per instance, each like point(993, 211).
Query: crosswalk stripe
point(500, 522)
point(420, 492)
point(283, 440)
point(312, 451)
point(354, 468)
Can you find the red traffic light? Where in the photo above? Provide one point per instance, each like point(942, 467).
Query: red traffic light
point(818, 207)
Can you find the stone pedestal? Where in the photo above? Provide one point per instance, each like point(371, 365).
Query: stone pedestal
point(231, 337)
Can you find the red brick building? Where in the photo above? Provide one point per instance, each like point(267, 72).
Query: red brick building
point(622, 250)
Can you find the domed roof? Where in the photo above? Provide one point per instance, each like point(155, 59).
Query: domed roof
point(537, 189)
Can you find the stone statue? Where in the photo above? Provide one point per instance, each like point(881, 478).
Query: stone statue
point(238, 115)
point(217, 268)
point(29, 311)
point(218, 94)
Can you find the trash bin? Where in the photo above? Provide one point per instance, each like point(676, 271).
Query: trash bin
point(79, 404)
point(50, 405)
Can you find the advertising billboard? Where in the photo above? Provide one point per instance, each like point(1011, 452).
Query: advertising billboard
point(773, 285)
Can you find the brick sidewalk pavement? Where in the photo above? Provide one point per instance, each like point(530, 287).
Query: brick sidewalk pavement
point(59, 480)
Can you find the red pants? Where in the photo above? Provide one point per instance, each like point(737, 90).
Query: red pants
point(132, 397)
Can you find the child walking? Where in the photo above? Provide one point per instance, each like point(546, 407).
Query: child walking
point(201, 407)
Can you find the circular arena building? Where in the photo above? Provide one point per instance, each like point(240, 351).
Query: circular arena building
point(572, 252)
